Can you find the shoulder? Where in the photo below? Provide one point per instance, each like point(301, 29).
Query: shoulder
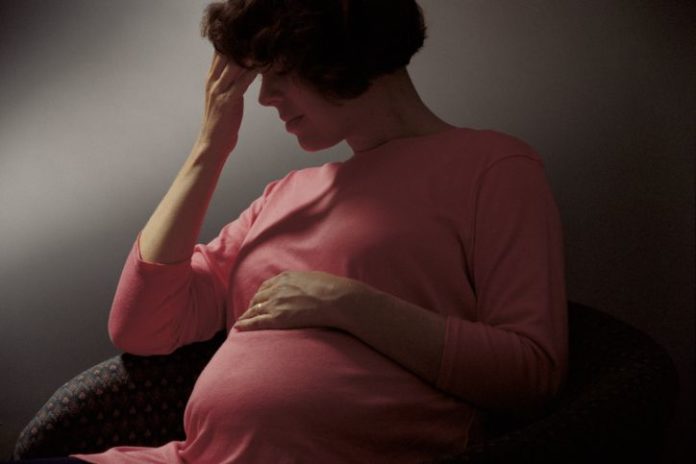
point(491, 146)
point(474, 153)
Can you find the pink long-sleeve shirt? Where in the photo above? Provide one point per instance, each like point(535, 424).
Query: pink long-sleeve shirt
point(462, 223)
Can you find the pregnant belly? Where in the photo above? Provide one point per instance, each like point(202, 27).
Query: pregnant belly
point(314, 381)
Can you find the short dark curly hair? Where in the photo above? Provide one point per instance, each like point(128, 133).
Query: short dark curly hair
point(338, 47)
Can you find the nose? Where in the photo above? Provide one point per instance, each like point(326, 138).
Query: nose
point(270, 91)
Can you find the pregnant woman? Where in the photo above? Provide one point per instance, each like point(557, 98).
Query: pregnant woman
point(375, 308)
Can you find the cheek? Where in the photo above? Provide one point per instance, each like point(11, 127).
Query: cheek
point(329, 124)
point(332, 125)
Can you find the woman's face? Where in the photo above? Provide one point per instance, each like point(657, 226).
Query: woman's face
point(322, 124)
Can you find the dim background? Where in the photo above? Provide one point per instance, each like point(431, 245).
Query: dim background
point(101, 102)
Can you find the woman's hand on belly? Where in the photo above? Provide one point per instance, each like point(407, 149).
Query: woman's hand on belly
point(302, 299)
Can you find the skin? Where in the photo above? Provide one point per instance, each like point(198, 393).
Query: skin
point(390, 108)
point(297, 299)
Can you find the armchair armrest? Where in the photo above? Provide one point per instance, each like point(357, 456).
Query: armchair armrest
point(616, 404)
point(125, 400)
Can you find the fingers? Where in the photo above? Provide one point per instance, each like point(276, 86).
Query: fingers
point(216, 67)
point(260, 297)
point(224, 73)
point(230, 73)
point(222, 68)
point(244, 79)
point(213, 62)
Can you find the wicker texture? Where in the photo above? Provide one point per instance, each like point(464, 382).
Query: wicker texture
point(619, 396)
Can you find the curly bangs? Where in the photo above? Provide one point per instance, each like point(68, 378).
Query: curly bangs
point(338, 47)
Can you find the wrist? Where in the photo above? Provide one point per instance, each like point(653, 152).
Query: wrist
point(204, 153)
point(353, 308)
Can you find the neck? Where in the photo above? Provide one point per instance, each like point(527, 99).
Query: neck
point(390, 109)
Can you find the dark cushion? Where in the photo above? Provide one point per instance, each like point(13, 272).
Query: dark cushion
point(615, 406)
point(125, 400)
point(619, 395)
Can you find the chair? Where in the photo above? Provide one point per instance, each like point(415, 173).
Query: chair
point(616, 404)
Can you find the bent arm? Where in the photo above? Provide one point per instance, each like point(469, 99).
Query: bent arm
point(162, 287)
point(160, 307)
point(514, 356)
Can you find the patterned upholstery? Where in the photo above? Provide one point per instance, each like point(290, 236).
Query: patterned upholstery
point(619, 396)
point(128, 399)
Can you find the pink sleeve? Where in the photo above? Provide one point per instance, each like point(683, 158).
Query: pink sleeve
point(158, 308)
point(515, 354)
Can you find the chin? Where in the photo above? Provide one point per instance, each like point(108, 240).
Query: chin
point(311, 144)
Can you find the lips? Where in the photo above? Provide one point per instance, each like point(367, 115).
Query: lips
point(293, 123)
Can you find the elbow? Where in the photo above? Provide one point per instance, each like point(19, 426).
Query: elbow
point(141, 347)
point(535, 380)
point(117, 334)
point(121, 341)
point(548, 381)
point(132, 342)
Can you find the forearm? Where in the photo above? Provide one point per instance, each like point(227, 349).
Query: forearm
point(412, 336)
point(172, 230)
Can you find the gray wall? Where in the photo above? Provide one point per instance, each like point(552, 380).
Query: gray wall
point(101, 102)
